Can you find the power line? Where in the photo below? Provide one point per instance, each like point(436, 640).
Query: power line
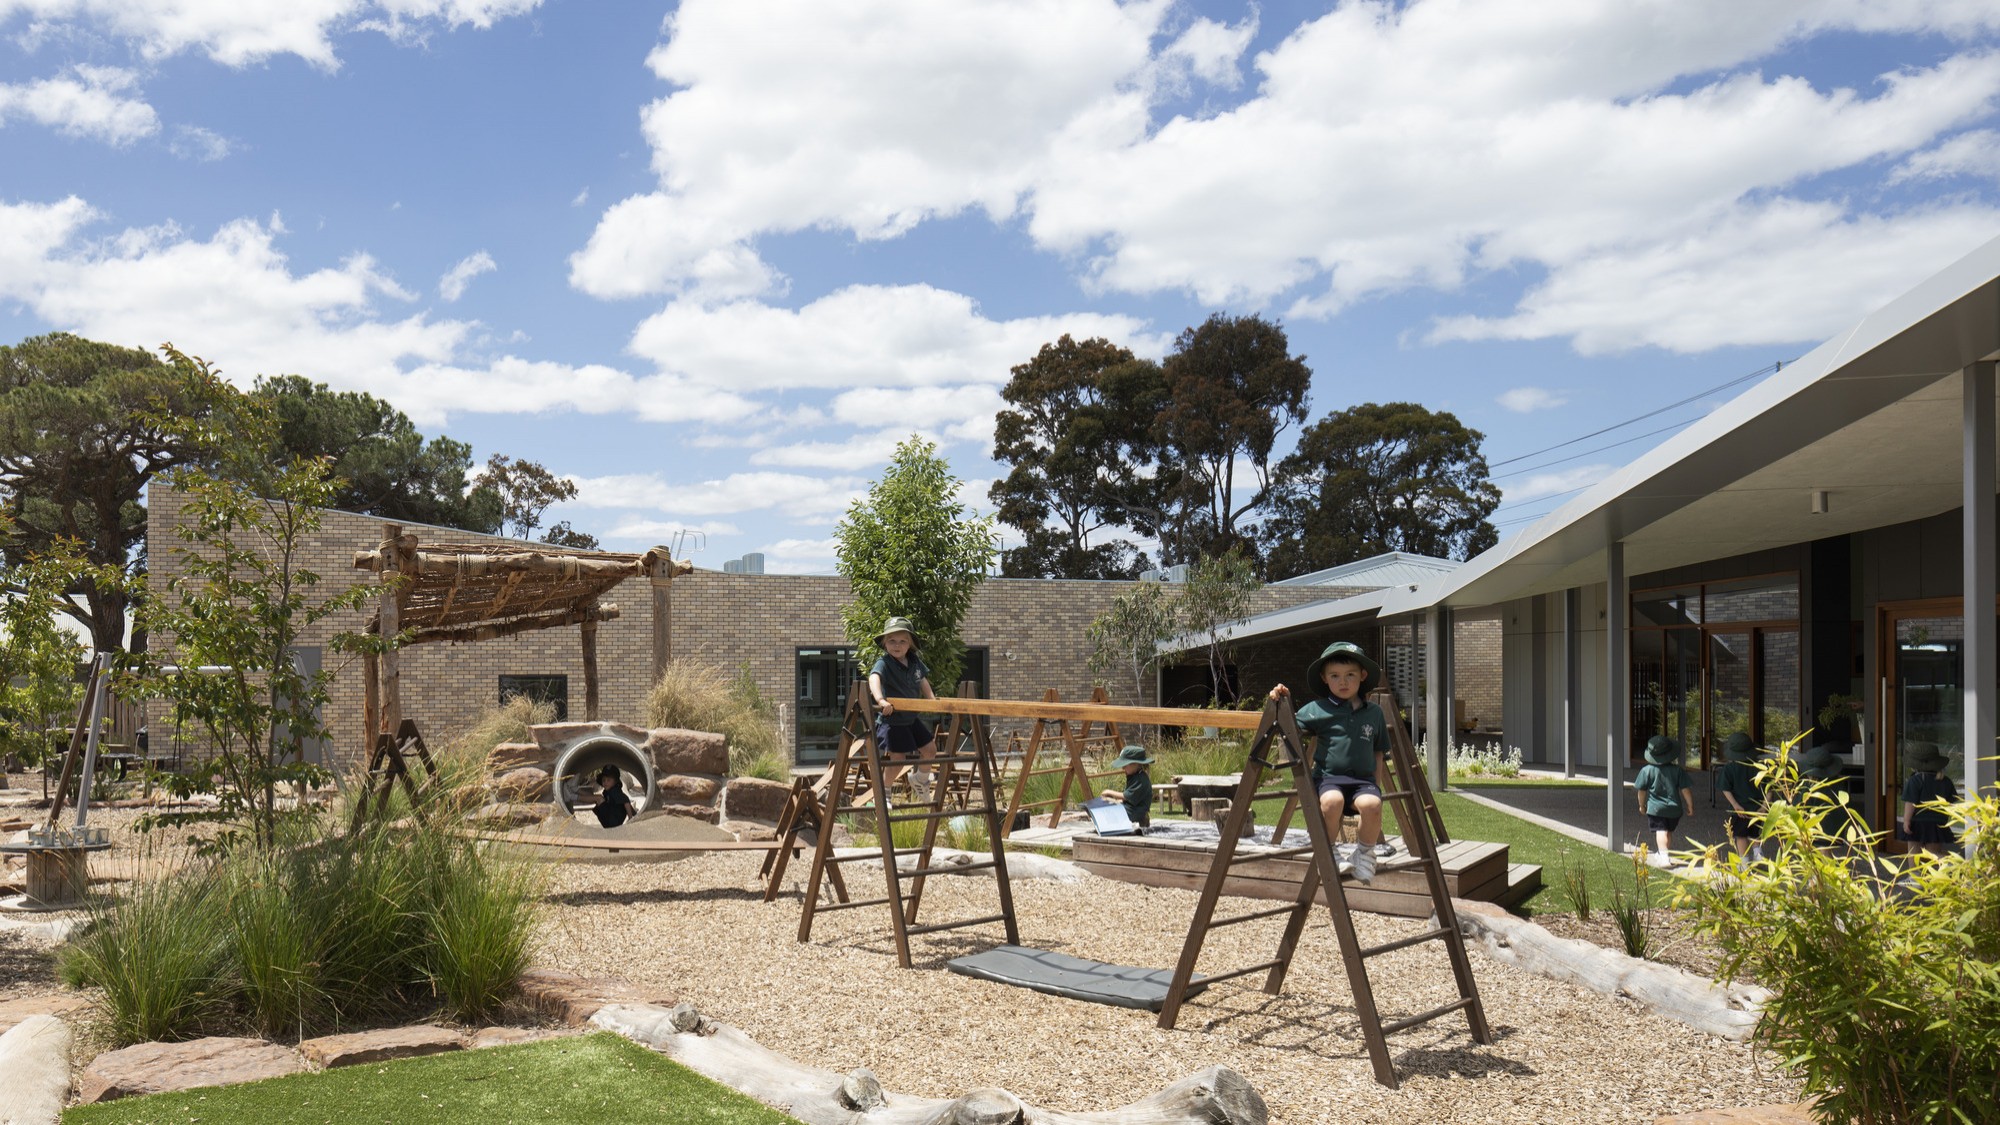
point(1768, 369)
point(1588, 452)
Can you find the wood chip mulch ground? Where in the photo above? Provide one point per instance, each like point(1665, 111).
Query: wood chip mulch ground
point(701, 930)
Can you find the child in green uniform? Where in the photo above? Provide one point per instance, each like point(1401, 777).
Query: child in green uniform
point(901, 673)
point(1927, 828)
point(1736, 780)
point(1138, 792)
point(1350, 732)
point(1822, 776)
point(1665, 794)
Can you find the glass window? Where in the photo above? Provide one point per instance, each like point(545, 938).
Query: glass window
point(1778, 694)
point(552, 690)
point(1677, 606)
point(824, 676)
point(1770, 598)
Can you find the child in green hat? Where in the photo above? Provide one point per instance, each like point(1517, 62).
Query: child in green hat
point(1138, 791)
point(1351, 733)
point(1665, 794)
point(1928, 828)
point(902, 674)
point(1736, 780)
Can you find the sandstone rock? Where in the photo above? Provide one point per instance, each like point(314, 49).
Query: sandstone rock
point(34, 1071)
point(58, 1004)
point(525, 783)
point(707, 814)
point(508, 815)
point(753, 798)
point(574, 999)
point(503, 1036)
point(690, 789)
point(381, 1045)
point(513, 755)
point(1792, 1114)
point(750, 829)
point(687, 751)
point(154, 1068)
point(552, 737)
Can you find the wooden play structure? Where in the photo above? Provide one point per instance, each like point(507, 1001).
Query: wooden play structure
point(58, 858)
point(1276, 752)
point(858, 782)
point(1080, 745)
point(477, 592)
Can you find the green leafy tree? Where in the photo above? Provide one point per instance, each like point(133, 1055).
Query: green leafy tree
point(1232, 386)
point(1218, 591)
point(380, 463)
point(1127, 636)
point(38, 657)
point(910, 548)
point(1078, 435)
point(1381, 477)
point(84, 427)
point(239, 598)
point(526, 490)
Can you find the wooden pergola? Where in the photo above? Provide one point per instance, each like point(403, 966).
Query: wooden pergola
point(480, 591)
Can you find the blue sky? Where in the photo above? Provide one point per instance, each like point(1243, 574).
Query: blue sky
point(713, 260)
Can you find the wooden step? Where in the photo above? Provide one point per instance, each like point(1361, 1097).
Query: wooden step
point(1523, 879)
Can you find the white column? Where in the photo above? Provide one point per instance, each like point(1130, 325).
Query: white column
point(1572, 680)
point(1438, 673)
point(1982, 667)
point(1618, 709)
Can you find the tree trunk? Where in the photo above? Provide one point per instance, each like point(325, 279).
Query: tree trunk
point(1730, 1012)
point(1213, 1096)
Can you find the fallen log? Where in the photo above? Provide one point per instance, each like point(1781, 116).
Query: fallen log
point(1213, 1096)
point(1730, 1012)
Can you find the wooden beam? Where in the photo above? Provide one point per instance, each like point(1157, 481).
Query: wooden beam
point(391, 624)
point(603, 612)
point(1032, 709)
point(603, 844)
point(371, 701)
point(589, 631)
point(453, 563)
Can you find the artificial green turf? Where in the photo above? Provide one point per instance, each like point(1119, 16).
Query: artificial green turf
point(601, 1079)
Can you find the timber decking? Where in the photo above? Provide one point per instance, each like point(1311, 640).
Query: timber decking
point(1472, 870)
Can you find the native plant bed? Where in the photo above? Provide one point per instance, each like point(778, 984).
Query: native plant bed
point(603, 1079)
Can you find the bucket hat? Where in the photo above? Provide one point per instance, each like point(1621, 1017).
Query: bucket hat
point(1819, 764)
point(897, 625)
point(1132, 755)
point(1663, 751)
point(1924, 757)
point(1739, 748)
point(1350, 651)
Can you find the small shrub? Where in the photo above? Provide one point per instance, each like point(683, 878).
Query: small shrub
point(1885, 973)
point(694, 695)
point(1576, 884)
point(1629, 909)
point(161, 954)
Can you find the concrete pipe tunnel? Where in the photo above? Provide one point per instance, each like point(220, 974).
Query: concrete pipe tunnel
point(578, 766)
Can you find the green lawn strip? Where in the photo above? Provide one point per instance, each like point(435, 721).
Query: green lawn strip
point(1531, 843)
point(601, 1079)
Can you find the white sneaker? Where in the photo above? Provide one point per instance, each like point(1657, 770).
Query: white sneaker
point(1343, 858)
point(1364, 866)
point(1385, 849)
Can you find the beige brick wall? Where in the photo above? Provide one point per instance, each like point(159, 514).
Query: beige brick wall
point(1033, 628)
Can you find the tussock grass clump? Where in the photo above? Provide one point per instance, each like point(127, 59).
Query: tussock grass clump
point(695, 695)
point(315, 931)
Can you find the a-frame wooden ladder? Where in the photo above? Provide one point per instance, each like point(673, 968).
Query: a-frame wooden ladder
point(1075, 770)
point(857, 776)
point(1278, 747)
point(389, 765)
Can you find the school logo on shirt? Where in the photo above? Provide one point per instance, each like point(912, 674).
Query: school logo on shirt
point(1368, 730)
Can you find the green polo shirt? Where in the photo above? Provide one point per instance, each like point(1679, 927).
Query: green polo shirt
point(1662, 786)
point(1139, 797)
point(901, 680)
point(1349, 735)
point(1739, 780)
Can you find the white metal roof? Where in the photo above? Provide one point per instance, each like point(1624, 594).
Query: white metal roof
point(1390, 568)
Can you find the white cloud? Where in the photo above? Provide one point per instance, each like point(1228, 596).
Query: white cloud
point(89, 101)
point(1973, 153)
point(862, 452)
point(1526, 400)
point(1383, 146)
point(867, 118)
point(452, 285)
point(860, 336)
point(580, 198)
point(795, 495)
point(192, 142)
point(663, 531)
point(239, 33)
point(800, 556)
point(1784, 272)
point(1554, 483)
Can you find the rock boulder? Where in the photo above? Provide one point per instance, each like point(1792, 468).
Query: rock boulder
point(687, 751)
point(155, 1068)
point(381, 1045)
point(753, 798)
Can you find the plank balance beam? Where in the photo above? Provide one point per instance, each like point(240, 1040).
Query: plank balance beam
point(1100, 712)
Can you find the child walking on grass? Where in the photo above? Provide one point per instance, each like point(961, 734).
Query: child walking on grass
point(1665, 794)
point(1736, 780)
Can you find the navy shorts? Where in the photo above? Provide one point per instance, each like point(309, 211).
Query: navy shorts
point(1662, 823)
point(1350, 787)
point(1742, 825)
point(904, 741)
